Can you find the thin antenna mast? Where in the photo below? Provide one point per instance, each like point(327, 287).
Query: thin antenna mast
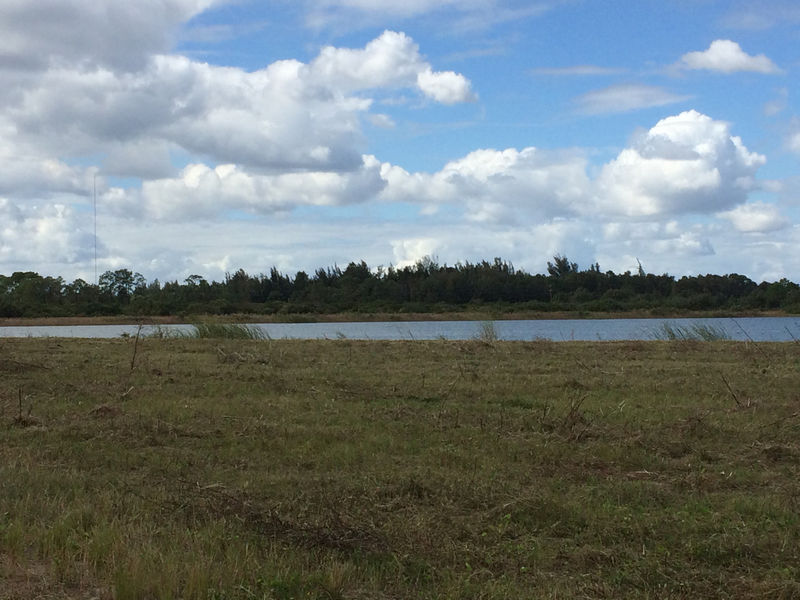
point(94, 203)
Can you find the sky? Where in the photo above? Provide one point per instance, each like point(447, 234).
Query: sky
point(205, 136)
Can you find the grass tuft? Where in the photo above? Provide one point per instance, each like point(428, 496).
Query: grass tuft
point(227, 331)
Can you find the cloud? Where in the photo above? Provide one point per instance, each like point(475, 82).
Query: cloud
point(396, 9)
point(382, 121)
point(625, 98)
point(274, 118)
point(498, 186)
point(143, 158)
point(407, 252)
point(763, 16)
point(687, 244)
point(779, 104)
point(287, 116)
point(725, 56)
point(26, 175)
point(793, 143)
point(658, 245)
point(688, 163)
point(392, 60)
point(531, 245)
point(268, 155)
point(88, 34)
point(176, 249)
point(462, 15)
point(685, 164)
point(446, 87)
point(202, 192)
point(215, 34)
point(30, 235)
point(492, 14)
point(756, 217)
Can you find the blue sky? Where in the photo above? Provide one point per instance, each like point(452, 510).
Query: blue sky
point(241, 134)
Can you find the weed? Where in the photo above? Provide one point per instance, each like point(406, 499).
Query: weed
point(24, 419)
point(160, 332)
point(487, 333)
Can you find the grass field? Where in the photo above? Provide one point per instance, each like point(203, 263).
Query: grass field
point(240, 469)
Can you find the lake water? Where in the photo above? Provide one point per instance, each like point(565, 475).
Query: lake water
point(761, 329)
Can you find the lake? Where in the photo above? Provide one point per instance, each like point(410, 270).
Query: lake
point(760, 329)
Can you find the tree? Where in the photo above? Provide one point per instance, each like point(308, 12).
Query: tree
point(195, 281)
point(561, 266)
point(79, 292)
point(121, 284)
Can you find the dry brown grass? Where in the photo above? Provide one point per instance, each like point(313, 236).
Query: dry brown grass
point(344, 469)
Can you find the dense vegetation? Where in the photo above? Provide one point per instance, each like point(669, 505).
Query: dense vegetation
point(221, 469)
point(425, 287)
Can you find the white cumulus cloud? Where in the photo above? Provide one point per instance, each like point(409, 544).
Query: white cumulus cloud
point(498, 185)
point(46, 235)
point(688, 163)
point(287, 116)
point(201, 191)
point(685, 164)
point(756, 217)
point(446, 87)
point(392, 60)
point(726, 56)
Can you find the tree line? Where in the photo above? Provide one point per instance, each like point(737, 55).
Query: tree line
point(426, 286)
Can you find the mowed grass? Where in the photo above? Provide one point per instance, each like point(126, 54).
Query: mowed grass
point(228, 469)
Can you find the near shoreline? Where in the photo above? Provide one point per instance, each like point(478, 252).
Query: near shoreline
point(353, 317)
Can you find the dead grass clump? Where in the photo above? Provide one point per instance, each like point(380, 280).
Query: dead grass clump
point(779, 453)
point(25, 421)
point(10, 365)
point(572, 422)
point(334, 530)
point(28, 578)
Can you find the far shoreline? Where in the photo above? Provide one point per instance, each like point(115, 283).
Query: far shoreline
point(356, 317)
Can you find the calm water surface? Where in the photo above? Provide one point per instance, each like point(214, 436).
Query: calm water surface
point(774, 329)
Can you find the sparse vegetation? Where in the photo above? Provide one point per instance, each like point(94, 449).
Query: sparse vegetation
point(696, 331)
point(238, 469)
point(215, 330)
